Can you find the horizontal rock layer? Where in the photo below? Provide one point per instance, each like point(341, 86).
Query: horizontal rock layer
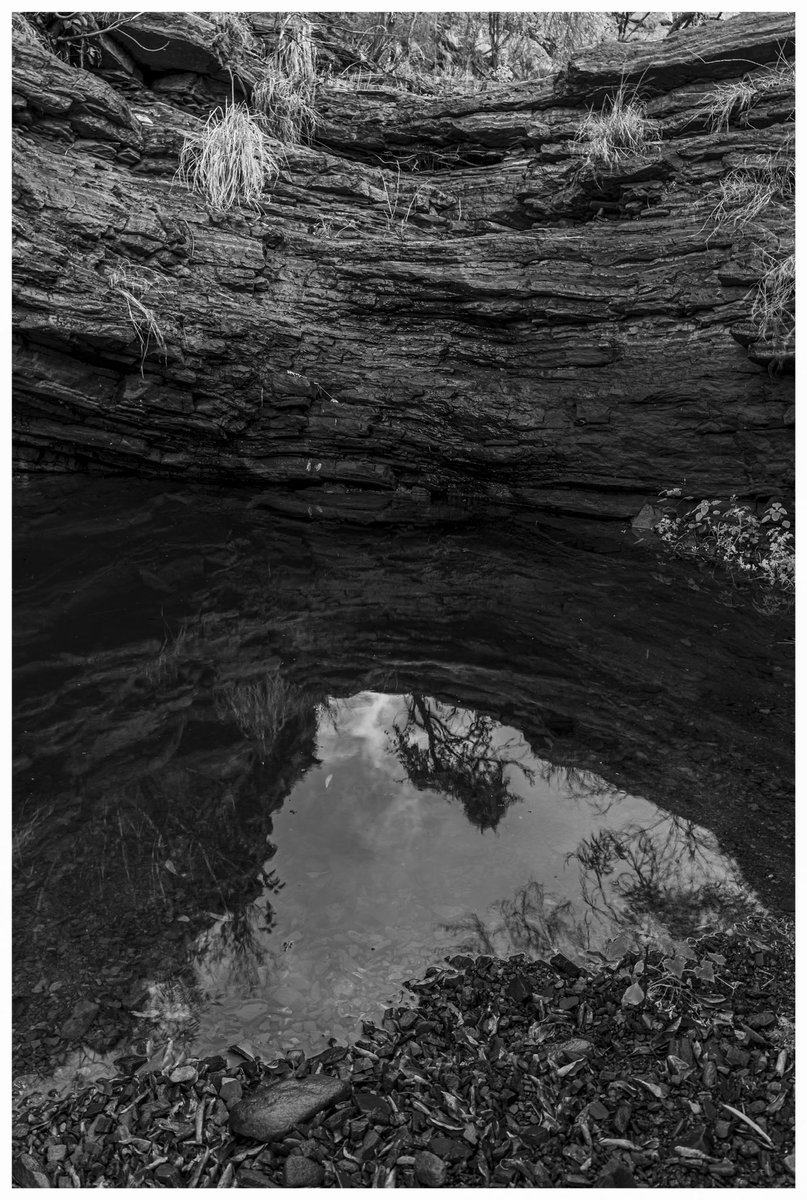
point(439, 304)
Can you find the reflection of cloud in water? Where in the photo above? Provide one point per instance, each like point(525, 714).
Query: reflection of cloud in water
point(402, 821)
point(358, 726)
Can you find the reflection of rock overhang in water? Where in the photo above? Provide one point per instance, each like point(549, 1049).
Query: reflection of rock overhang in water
point(595, 658)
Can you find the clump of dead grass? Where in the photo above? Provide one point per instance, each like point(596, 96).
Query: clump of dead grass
point(759, 181)
point(620, 130)
point(235, 36)
point(261, 707)
point(229, 160)
point(773, 311)
point(285, 94)
point(27, 834)
point(732, 101)
point(399, 205)
point(133, 285)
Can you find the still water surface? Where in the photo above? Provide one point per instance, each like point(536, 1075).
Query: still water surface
point(386, 870)
point(266, 772)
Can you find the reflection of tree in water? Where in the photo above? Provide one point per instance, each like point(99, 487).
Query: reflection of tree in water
point(262, 707)
point(189, 839)
point(459, 758)
point(670, 872)
point(231, 951)
point(582, 785)
point(531, 923)
point(185, 840)
point(668, 878)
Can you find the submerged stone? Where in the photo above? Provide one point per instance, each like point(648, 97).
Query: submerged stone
point(302, 1172)
point(79, 1021)
point(272, 1109)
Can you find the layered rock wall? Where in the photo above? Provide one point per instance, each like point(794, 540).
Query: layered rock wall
point(439, 303)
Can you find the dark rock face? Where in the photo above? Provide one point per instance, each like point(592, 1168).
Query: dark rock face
point(271, 1110)
point(535, 332)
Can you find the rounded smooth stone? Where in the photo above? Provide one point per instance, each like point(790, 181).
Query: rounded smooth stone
point(270, 1110)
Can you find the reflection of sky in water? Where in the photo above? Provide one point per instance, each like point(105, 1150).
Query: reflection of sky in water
point(379, 877)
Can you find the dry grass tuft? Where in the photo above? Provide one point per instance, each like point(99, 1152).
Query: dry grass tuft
point(285, 94)
point(296, 53)
point(285, 107)
point(732, 101)
point(773, 311)
point(619, 131)
point(132, 286)
point(358, 79)
point(228, 161)
point(398, 210)
point(235, 34)
point(759, 181)
point(261, 708)
point(729, 102)
point(332, 228)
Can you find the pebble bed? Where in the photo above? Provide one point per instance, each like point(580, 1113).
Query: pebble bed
point(650, 1069)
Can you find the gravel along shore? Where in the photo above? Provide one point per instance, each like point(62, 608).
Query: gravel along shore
point(650, 1069)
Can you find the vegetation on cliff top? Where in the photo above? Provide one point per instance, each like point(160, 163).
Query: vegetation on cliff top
point(418, 51)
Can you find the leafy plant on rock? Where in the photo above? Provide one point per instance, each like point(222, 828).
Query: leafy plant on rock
point(729, 533)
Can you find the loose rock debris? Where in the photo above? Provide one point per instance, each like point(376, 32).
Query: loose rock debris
point(501, 1074)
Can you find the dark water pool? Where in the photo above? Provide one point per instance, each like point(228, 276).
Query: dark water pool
point(266, 771)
